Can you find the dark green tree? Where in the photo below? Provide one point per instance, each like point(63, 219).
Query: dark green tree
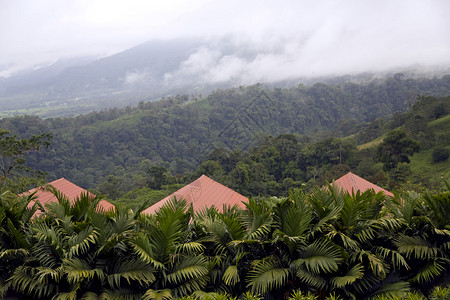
point(440, 154)
point(396, 148)
point(158, 177)
point(14, 172)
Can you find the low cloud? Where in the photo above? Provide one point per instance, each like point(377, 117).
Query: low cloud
point(344, 40)
point(137, 77)
point(286, 38)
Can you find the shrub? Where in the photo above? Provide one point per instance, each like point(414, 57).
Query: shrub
point(440, 154)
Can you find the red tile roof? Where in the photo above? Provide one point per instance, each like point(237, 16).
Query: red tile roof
point(203, 192)
point(72, 191)
point(351, 182)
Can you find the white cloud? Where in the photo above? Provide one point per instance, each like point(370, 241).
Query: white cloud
point(293, 37)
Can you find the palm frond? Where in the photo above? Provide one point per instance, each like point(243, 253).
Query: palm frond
point(144, 249)
point(414, 246)
point(375, 263)
point(45, 274)
point(309, 278)
point(131, 270)
point(256, 218)
point(72, 295)
point(190, 248)
point(292, 219)
point(28, 213)
point(266, 275)
point(234, 226)
point(157, 295)
point(347, 242)
point(47, 255)
point(356, 272)
point(433, 268)
point(24, 281)
point(396, 258)
point(18, 236)
point(398, 288)
point(90, 296)
point(121, 294)
point(299, 295)
point(440, 293)
point(322, 256)
point(80, 243)
point(191, 267)
point(16, 253)
point(231, 275)
point(78, 270)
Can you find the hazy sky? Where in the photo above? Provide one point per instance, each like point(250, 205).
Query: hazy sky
point(333, 35)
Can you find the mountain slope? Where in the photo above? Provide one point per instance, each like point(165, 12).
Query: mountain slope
point(180, 132)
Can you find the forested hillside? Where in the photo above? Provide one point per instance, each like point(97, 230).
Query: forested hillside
point(405, 154)
point(181, 132)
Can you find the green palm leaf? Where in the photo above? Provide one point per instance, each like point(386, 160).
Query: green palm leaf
point(233, 226)
point(309, 278)
point(415, 246)
point(72, 295)
point(322, 256)
point(190, 248)
point(375, 263)
point(78, 270)
point(190, 268)
point(433, 268)
point(144, 249)
point(157, 295)
point(267, 274)
point(17, 235)
point(397, 259)
point(80, 243)
point(24, 280)
point(391, 290)
point(231, 275)
point(357, 272)
point(131, 270)
point(256, 218)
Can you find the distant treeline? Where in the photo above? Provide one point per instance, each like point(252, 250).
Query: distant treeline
point(182, 132)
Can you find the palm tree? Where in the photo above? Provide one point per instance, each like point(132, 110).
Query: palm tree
point(356, 223)
point(79, 251)
point(15, 216)
point(425, 238)
point(167, 243)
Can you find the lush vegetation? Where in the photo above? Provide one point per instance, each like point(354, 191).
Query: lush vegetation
point(181, 132)
point(320, 245)
point(404, 155)
point(15, 175)
point(306, 243)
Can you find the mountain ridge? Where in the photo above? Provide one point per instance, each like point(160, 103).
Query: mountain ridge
point(145, 72)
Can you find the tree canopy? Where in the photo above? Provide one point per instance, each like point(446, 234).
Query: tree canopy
point(13, 158)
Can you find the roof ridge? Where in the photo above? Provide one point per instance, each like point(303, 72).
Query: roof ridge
point(353, 181)
point(57, 180)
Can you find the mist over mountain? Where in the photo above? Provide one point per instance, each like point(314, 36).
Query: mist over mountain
point(167, 67)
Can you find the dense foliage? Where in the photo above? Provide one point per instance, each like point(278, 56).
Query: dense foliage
point(288, 161)
point(322, 245)
point(180, 132)
point(15, 175)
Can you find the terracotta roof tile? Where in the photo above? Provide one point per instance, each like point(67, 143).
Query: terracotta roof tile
point(72, 191)
point(351, 182)
point(203, 192)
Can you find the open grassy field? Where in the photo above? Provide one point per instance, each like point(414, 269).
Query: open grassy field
point(423, 167)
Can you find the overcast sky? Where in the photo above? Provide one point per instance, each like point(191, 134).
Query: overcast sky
point(332, 35)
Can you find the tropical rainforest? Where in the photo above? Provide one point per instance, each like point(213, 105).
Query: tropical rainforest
point(299, 237)
point(256, 139)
